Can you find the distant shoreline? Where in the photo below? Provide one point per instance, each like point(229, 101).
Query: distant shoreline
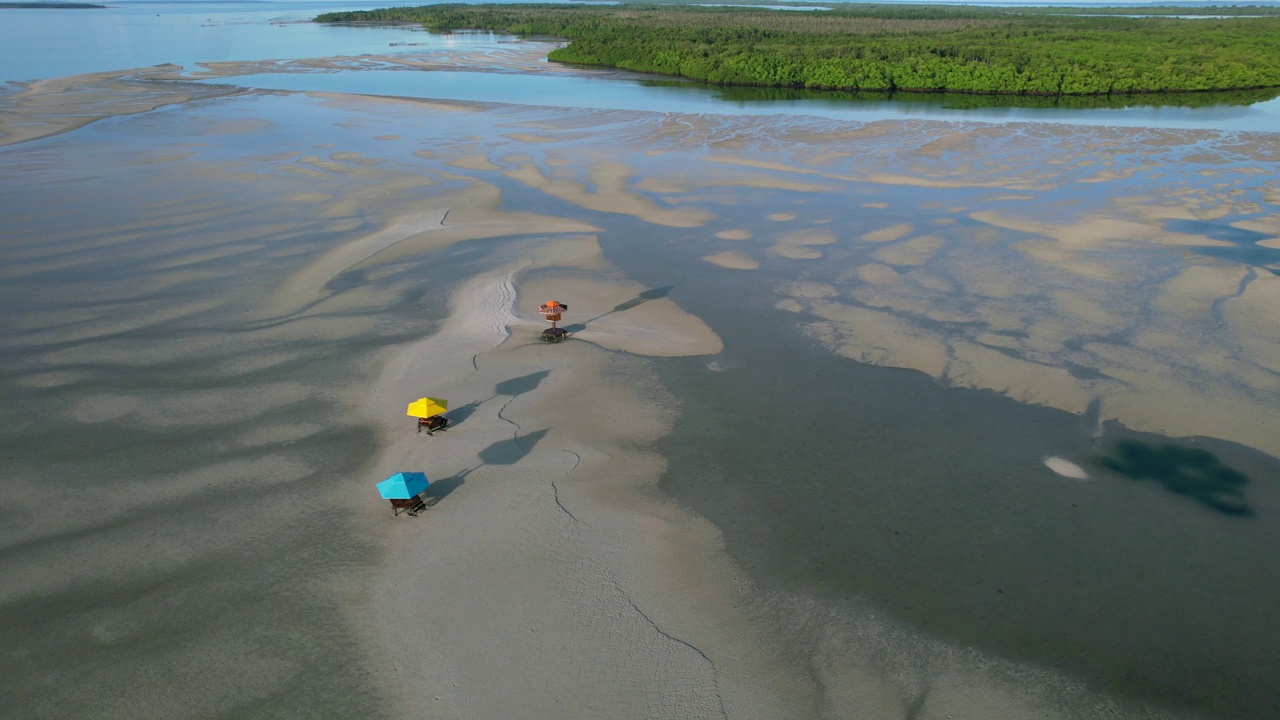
point(50, 5)
point(887, 47)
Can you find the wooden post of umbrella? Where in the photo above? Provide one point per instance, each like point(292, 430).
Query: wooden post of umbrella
point(552, 310)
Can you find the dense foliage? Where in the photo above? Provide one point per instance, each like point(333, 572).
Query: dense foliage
point(889, 47)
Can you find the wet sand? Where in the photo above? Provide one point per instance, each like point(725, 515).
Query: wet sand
point(299, 267)
point(547, 557)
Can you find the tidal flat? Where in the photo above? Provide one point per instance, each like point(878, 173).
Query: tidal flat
point(822, 375)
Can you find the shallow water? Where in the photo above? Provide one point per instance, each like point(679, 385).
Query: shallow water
point(896, 499)
point(177, 461)
point(933, 507)
point(174, 462)
point(47, 44)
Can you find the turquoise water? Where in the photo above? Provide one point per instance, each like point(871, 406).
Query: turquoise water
point(45, 44)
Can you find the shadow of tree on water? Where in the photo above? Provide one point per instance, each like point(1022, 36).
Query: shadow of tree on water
point(1193, 472)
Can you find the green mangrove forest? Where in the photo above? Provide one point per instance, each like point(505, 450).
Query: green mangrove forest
point(895, 48)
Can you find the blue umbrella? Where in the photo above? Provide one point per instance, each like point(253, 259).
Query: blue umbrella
point(403, 485)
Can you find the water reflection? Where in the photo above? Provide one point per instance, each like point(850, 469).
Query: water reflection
point(632, 91)
point(41, 44)
point(966, 101)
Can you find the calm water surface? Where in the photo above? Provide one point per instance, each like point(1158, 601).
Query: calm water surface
point(44, 44)
point(864, 482)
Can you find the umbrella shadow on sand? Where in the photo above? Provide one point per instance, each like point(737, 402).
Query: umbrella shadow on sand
point(440, 489)
point(503, 452)
point(511, 387)
point(512, 450)
point(520, 385)
point(462, 412)
point(642, 298)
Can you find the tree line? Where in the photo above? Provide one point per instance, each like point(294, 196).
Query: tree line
point(887, 47)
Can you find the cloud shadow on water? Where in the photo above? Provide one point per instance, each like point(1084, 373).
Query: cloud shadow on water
point(1193, 472)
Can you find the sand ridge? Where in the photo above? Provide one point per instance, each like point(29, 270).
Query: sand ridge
point(561, 585)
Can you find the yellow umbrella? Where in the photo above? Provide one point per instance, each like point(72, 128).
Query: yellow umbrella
point(427, 407)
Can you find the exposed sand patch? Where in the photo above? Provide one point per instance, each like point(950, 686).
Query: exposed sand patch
point(916, 251)
point(58, 105)
point(882, 178)
point(610, 180)
point(308, 285)
point(878, 338)
point(1096, 231)
point(472, 213)
point(1061, 258)
point(791, 169)
point(932, 282)
point(798, 244)
point(473, 162)
point(1088, 316)
point(879, 275)
point(983, 368)
point(1165, 404)
point(359, 102)
point(532, 138)
point(739, 234)
point(915, 181)
point(1194, 290)
point(889, 234)
point(549, 547)
point(782, 217)
point(765, 182)
point(732, 260)
point(966, 141)
point(1254, 322)
point(526, 56)
point(618, 315)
